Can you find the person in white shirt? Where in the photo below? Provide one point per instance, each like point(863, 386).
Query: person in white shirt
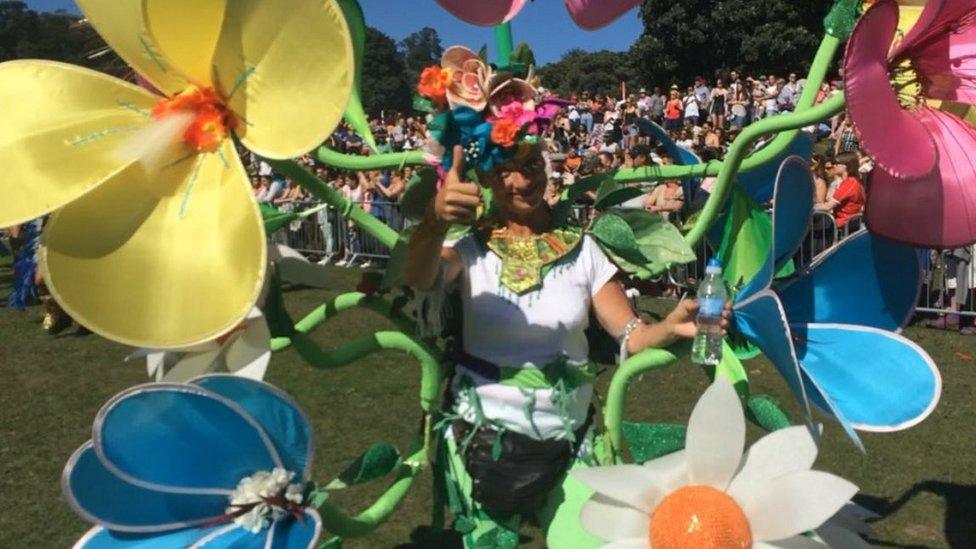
point(519, 317)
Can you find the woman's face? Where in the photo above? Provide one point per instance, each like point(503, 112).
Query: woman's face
point(519, 187)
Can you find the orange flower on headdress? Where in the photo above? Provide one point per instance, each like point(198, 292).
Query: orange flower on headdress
point(434, 83)
point(504, 132)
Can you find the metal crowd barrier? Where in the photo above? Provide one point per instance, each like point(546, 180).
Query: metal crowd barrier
point(950, 276)
point(821, 235)
point(949, 279)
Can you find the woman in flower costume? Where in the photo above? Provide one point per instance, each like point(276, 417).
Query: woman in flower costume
point(519, 410)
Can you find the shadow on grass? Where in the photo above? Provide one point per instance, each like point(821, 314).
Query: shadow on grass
point(960, 506)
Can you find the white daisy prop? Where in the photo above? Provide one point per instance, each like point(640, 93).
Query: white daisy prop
point(711, 496)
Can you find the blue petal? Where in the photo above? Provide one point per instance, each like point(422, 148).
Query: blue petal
point(102, 497)
point(874, 379)
point(864, 280)
point(277, 413)
point(792, 208)
point(680, 155)
point(289, 533)
point(760, 181)
point(180, 437)
point(762, 321)
point(224, 536)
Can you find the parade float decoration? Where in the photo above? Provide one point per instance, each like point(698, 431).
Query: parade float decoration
point(150, 212)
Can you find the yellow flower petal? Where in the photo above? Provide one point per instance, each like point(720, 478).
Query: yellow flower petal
point(124, 262)
point(62, 127)
point(122, 23)
point(288, 68)
point(186, 32)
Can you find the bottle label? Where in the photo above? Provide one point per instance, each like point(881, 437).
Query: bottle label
point(710, 306)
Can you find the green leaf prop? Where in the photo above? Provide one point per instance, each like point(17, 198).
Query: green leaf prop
point(562, 209)
point(420, 191)
point(649, 441)
point(637, 240)
point(746, 241)
point(393, 276)
point(333, 543)
point(766, 412)
point(423, 104)
point(275, 219)
point(612, 194)
point(840, 21)
point(355, 114)
point(376, 462)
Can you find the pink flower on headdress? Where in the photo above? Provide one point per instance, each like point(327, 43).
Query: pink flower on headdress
point(924, 190)
point(588, 14)
point(503, 90)
point(471, 78)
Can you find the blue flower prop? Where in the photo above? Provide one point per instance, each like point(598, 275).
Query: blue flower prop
point(832, 330)
point(466, 127)
point(221, 461)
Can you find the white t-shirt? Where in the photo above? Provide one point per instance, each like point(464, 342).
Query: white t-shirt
point(529, 330)
point(691, 106)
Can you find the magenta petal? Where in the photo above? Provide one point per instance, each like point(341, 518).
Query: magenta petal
point(946, 63)
point(886, 130)
point(483, 12)
point(936, 20)
point(937, 211)
point(593, 14)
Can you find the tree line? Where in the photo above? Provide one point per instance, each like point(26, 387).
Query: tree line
point(681, 39)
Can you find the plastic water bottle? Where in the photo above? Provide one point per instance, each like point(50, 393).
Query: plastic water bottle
point(707, 348)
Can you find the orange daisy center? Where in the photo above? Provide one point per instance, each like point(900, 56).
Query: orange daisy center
point(212, 122)
point(699, 517)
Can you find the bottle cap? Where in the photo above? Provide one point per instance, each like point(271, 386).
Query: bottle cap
point(714, 266)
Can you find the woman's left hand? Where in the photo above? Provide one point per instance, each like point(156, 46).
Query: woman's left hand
point(682, 319)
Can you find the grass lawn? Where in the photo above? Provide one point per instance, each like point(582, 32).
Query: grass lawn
point(922, 481)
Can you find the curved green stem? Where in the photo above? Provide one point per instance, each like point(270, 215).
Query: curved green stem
point(376, 228)
point(427, 356)
point(613, 413)
point(356, 162)
point(788, 124)
point(341, 524)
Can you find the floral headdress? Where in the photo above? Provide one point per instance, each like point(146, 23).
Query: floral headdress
point(493, 116)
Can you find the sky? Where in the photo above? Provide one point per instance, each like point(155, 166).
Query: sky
point(544, 24)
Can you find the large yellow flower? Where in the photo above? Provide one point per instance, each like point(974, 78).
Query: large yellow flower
point(157, 241)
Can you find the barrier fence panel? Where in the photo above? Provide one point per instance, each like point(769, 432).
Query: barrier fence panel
point(949, 276)
point(948, 282)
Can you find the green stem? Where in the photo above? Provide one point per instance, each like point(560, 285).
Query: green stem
point(427, 356)
point(358, 163)
point(503, 44)
point(613, 412)
point(321, 190)
point(789, 124)
point(341, 524)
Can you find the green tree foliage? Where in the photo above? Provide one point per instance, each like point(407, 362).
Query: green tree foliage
point(385, 81)
point(60, 36)
point(420, 50)
point(685, 38)
point(597, 72)
point(523, 54)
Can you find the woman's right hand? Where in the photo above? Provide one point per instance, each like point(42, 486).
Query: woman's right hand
point(458, 200)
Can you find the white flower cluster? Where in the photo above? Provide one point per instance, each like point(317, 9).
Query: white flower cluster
point(256, 490)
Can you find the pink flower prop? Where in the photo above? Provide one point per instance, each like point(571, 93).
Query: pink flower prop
point(588, 14)
point(471, 78)
point(924, 190)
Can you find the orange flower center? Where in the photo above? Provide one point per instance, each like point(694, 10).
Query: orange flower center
point(212, 119)
point(699, 517)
